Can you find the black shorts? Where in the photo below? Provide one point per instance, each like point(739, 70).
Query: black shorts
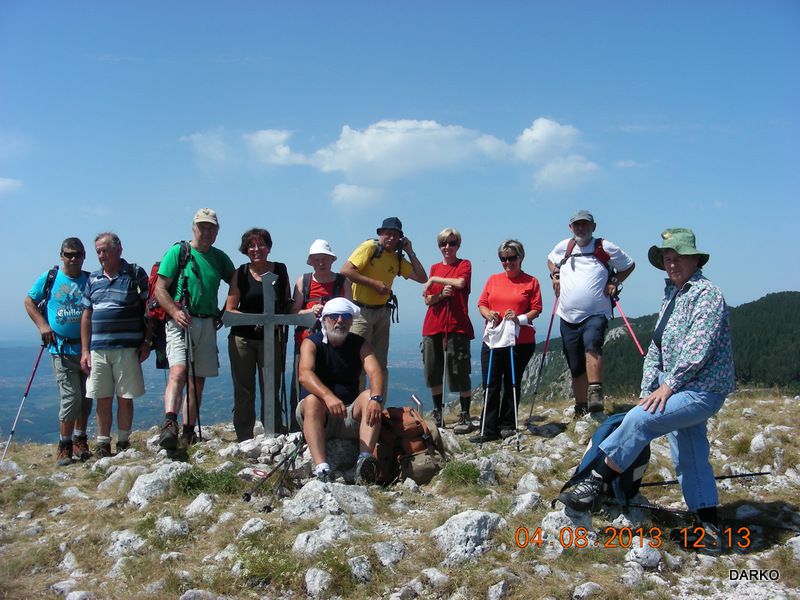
point(580, 338)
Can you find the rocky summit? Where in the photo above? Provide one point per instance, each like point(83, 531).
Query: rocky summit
point(141, 524)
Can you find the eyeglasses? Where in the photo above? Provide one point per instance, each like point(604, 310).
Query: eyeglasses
point(511, 258)
point(451, 243)
point(337, 316)
point(70, 255)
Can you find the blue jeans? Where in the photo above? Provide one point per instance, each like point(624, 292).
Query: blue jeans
point(684, 420)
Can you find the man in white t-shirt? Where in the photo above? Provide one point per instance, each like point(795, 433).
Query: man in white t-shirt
point(586, 273)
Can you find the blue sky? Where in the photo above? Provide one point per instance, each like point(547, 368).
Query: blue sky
point(319, 119)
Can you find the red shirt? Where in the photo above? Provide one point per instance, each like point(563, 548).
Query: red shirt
point(316, 292)
point(520, 294)
point(451, 315)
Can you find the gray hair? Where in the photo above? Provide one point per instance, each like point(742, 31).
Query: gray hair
point(113, 237)
point(513, 245)
point(449, 232)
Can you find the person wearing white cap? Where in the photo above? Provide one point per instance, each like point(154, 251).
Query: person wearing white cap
point(189, 297)
point(331, 405)
point(586, 273)
point(311, 292)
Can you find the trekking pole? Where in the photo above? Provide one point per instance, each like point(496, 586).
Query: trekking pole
point(190, 365)
point(486, 395)
point(21, 404)
point(263, 477)
point(615, 302)
point(541, 366)
point(718, 478)
point(514, 392)
point(444, 378)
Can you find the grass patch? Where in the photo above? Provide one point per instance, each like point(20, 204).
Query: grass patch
point(334, 561)
point(13, 492)
point(269, 561)
point(197, 480)
point(460, 474)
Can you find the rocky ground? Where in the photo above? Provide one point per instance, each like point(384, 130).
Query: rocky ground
point(139, 525)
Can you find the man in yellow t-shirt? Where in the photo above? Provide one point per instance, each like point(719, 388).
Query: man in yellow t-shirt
point(372, 268)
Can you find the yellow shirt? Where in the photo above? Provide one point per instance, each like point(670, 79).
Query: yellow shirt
point(383, 268)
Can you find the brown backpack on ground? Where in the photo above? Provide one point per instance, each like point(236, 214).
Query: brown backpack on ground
point(407, 447)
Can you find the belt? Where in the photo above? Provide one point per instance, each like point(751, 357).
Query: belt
point(362, 305)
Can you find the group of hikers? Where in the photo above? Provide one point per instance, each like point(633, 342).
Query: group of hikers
point(96, 330)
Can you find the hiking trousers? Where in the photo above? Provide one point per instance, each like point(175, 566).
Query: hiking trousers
point(373, 325)
point(684, 422)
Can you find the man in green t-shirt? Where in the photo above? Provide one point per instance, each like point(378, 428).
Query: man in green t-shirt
point(189, 297)
point(372, 268)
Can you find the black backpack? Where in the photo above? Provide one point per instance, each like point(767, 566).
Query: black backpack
point(338, 284)
point(47, 290)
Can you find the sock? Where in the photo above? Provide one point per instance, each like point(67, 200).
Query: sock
point(321, 468)
point(437, 401)
point(103, 439)
point(600, 383)
point(601, 469)
point(122, 435)
point(65, 438)
point(709, 515)
point(172, 416)
point(465, 402)
point(78, 433)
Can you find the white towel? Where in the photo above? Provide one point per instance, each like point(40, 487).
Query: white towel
point(502, 335)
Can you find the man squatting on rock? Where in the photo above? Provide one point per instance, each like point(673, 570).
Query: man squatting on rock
point(60, 329)
point(330, 404)
point(195, 319)
point(372, 268)
point(584, 286)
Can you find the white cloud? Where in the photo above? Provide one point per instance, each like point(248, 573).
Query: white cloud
point(629, 164)
point(389, 150)
point(8, 185)
point(544, 140)
point(210, 145)
point(355, 195)
point(269, 147)
point(564, 172)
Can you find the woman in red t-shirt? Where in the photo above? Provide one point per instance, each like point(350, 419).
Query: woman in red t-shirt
point(447, 323)
point(512, 295)
point(311, 292)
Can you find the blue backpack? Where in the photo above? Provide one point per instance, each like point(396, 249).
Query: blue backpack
point(624, 487)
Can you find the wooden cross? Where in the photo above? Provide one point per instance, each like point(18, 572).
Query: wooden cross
point(269, 321)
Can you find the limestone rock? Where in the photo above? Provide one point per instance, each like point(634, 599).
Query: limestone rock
point(201, 505)
point(587, 590)
point(124, 543)
point(317, 582)
point(466, 535)
point(332, 529)
point(169, 527)
point(360, 568)
point(317, 499)
point(389, 553)
point(155, 484)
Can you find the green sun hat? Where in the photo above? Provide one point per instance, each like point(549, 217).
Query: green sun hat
point(682, 241)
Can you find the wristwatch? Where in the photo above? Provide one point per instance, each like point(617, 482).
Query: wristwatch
point(378, 398)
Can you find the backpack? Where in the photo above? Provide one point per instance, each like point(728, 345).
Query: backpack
point(407, 447)
point(41, 306)
point(626, 485)
point(155, 313)
point(599, 253)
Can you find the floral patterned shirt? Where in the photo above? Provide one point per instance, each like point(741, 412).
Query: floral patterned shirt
point(696, 348)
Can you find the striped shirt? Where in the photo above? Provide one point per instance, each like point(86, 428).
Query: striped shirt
point(117, 304)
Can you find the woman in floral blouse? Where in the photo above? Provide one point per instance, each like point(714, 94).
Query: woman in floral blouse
point(688, 371)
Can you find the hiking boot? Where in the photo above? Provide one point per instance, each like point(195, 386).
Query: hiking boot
point(325, 476)
point(583, 497)
point(168, 439)
point(702, 537)
point(102, 449)
point(486, 437)
point(366, 470)
point(188, 437)
point(436, 415)
point(464, 424)
point(64, 457)
point(581, 410)
point(122, 446)
point(595, 398)
point(80, 448)
point(507, 433)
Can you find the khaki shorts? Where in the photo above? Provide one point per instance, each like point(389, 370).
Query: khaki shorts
point(459, 366)
point(335, 428)
point(204, 346)
point(71, 387)
point(116, 371)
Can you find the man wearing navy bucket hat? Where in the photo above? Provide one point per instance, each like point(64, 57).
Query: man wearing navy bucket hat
point(372, 268)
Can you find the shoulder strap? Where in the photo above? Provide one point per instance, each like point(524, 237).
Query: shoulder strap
point(306, 288)
point(184, 255)
point(600, 252)
point(338, 284)
point(47, 289)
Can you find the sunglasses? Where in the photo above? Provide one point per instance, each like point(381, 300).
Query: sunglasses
point(452, 244)
point(504, 259)
point(336, 316)
point(69, 255)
